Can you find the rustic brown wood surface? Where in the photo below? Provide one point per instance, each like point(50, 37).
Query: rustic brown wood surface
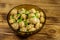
point(51, 30)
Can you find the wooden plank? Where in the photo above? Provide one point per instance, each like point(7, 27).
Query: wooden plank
point(52, 20)
point(3, 18)
point(8, 37)
point(12, 2)
point(6, 8)
point(35, 37)
point(47, 2)
point(52, 31)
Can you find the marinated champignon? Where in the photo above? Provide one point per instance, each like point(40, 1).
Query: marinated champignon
point(21, 24)
point(21, 11)
point(23, 29)
point(31, 15)
point(42, 19)
point(30, 26)
point(15, 26)
point(12, 20)
point(41, 14)
point(14, 11)
point(16, 17)
point(32, 10)
point(23, 16)
point(38, 25)
point(34, 20)
point(26, 20)
point(32, 29)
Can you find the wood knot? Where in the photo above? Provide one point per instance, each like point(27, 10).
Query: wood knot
point(52, 31)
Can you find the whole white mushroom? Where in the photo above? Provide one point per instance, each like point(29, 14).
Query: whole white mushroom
point(30, 26)
point(38, 25)
point(15, 26)
point(16, 17)
point(32, 10)
point(42, 19)
point(12, 20)
point(31, 15)
point(23, 16)
point(34, 20)
point(23, 29)
point(28, 20)
point(22, 11)
point(14, 11)
point(41, 14)
point(32, 29)
point(21, 24)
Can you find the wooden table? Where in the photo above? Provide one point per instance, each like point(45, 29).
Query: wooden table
point(51, 30)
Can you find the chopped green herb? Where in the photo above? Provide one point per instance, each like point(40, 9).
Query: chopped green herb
point(36, 14)
point(18, 14)
point(19, 20)
point(26, 23)
point(27, 12)
point(33, 16)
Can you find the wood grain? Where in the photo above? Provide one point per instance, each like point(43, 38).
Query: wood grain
point(51, 30)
